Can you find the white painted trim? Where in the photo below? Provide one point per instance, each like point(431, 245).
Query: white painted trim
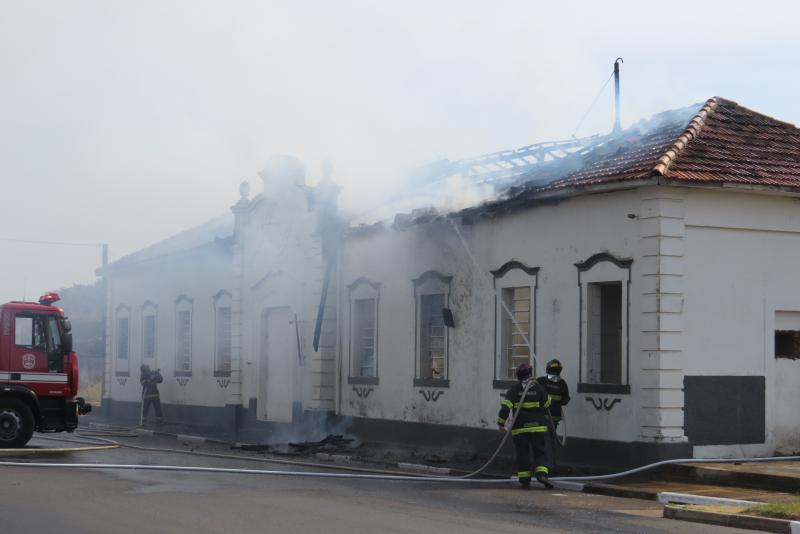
point(667, 497)
point(53, 378)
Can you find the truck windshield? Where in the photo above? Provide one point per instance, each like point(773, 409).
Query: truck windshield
point(31, 332)
point(38, 332)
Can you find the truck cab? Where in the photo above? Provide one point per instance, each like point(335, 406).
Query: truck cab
point(38, 372)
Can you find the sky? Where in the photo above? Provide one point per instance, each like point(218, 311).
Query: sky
point(126, 122)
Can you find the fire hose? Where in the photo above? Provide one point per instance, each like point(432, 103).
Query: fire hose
point(374, 474)
point(378, 474)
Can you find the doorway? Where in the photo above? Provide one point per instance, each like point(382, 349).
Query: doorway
point(276, 366)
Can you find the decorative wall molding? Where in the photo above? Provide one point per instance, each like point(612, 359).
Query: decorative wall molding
point(431, 395)
point(183, 298)
point(363, 280)
point(622, 263)
point(427, 275)
point(602, 403)
point(362, 392)
point(220, 294)
point(514, 264)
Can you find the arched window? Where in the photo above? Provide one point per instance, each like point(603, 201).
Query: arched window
point(222, 334)
point(183, 336)
point(515, 319)
point(149, 334)
point(363, 320)
point(432, 298)
point(122, 338)
point(603, 282)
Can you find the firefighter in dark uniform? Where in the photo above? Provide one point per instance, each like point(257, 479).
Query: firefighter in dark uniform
point(530, 430)
point(150, 380)
point(556, 388)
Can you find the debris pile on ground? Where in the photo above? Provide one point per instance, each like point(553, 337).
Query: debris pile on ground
point(330, 443)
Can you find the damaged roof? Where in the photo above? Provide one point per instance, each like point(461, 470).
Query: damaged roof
point(219, 229)
point(718, 143)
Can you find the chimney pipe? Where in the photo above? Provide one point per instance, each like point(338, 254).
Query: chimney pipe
point(617, 126)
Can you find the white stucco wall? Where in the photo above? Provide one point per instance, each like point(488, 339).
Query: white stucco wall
point(272, 266)
point(710, 269)
point(552, 238)
point(743, 260)
point(199, 275)
point(281, 268)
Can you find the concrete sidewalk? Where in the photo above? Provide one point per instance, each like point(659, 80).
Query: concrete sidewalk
point(778, 475)
point(650, 490)
point(765, 482)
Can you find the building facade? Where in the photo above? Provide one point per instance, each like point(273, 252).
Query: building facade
point(659, 267)
point(227, 311)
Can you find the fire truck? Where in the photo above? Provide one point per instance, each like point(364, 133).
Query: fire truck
point(38, 372)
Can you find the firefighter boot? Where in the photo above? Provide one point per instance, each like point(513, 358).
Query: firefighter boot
point(542, 478)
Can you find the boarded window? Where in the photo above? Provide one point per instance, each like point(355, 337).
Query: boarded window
point(223, 335)
point(432, 341)
point(123, 345)
point(787, 344)
point(605, 314)
point(149, 336)
point(724, 410)
point(515, 326)
point(183, 353)
point(364, 337)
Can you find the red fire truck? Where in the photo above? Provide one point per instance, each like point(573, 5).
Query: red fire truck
point(38, 372)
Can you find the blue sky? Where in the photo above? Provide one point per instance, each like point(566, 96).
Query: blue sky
point(126, 122)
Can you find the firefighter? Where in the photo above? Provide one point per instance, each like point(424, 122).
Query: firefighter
point(150, 380)
point(530, 430)
point(557, 389)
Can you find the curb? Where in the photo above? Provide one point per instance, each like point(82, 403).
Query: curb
point(750, 522)
point(711, 475)
point(335, 458)
point(668, 497)
point(566, 485)
point(422, 468)
point(150, 432)
point(618, 491)
point(27, 451)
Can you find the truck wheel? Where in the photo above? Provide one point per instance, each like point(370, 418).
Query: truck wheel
point(16, 423)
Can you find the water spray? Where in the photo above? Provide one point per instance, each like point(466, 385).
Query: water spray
point(477, 272)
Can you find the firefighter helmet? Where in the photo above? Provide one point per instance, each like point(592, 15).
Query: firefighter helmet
point(524, 371)
point(553, 367)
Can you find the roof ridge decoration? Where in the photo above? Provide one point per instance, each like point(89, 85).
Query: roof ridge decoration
point(692, 130)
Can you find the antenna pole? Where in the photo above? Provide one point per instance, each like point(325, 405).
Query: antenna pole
point(617, 127)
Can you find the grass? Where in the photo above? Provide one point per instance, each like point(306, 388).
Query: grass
point(91, 391)
point(781, 510)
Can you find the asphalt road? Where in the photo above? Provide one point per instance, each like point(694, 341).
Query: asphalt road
point(36, 500)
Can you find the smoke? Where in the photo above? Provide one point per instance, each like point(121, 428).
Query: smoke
point(111, 112)
point(128, 123)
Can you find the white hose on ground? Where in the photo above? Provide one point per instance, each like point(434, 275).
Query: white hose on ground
point(461, 478)
point(279, 461)
point(675, 461)
point(382, 475)
point(137, 467)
